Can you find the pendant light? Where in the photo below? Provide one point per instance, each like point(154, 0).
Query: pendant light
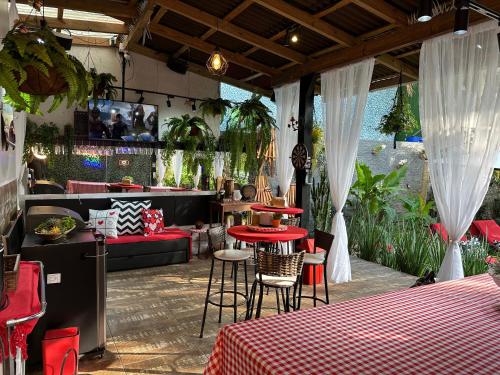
point(217, 63)
point(461, 18)
point(425, 11)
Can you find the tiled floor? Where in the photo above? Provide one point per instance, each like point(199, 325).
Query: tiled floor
point(154, 315)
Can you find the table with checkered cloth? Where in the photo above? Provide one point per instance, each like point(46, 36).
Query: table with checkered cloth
point(445, 328)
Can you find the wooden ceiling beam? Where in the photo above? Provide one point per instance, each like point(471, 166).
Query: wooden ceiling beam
point(82, 25)
point(199, 69)
point(137, 29)
point(228, 17)
point(398, 66)
point(406, 36)
point(384, 10)
point(96, 6)
point(333, 8)
point(309, 21)
point(159, 15)
point(207, 47)
point(408, 53)
point(226, 27)
point(92, 41)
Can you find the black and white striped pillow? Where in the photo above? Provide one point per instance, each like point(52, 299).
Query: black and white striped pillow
point(130, 219)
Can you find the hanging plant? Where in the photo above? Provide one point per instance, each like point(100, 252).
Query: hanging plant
point(400, 118)
point(190, 134)
point(248, 135)
point(34, 66)
point(214, 107)
point(102, 86)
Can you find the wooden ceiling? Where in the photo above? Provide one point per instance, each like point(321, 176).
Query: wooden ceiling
point(251, 34)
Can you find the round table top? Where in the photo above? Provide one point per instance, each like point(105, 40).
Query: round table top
point(242, 233)
point(284, 210)
point(126, 186)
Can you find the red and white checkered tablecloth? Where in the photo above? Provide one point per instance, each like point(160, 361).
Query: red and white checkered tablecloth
point(446, 328)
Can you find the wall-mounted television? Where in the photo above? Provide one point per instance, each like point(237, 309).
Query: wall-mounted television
point(123, 121)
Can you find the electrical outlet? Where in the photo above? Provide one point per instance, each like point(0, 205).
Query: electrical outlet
point(53, 278)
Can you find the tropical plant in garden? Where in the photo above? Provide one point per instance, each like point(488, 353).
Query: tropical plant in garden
point(34, 66)
point(194, 136)
point(418, 209)
point(249, 132)
point(322, 209)
point(376, 191)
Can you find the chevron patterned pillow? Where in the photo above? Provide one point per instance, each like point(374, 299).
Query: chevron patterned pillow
point(130, 219)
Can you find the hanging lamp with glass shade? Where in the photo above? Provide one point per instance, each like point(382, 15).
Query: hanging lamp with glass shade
point(217, 63)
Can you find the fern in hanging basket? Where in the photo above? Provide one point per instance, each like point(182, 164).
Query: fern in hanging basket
point(214, 107)
point(400, 118)
point(102, 86)
point(34, 66)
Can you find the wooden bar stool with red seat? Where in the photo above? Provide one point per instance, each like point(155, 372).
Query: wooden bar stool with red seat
point(319, 256)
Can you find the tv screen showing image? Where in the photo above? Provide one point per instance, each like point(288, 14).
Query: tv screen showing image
point(123, 121)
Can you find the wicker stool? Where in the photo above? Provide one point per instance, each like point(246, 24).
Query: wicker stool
point(280, 272)
point(216, 241)
point(323, 241)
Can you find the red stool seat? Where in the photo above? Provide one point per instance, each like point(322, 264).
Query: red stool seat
point(60, 348)
point(308, 274)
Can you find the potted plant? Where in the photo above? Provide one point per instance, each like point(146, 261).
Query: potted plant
point(249, 132)
point(214, 107)
point(127, 180)
point(400, 118)
point(34, 66)
point(494, 268)
point(102, 85)
point(276, 222)
point(191, 134)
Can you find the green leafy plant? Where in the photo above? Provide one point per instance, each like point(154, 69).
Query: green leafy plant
point(418, 209)
point(249, 132)
point(321, 207)
point(474, 252)
point(34, 66)
point(69, 139)
point(214, 107)
point(190, 134)
point(277, 216)
point(411, 243)
point(102, 85)
point(376, 191)
point(42, 137)
point(400, 118)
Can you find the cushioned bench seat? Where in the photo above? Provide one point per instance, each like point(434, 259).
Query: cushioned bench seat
point(138, 251)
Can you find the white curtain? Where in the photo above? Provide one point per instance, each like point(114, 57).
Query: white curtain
point(459, 111)
point(177, 166)
point(287, 106)
point(13, 14)
point(20, 130)
point(160, 168)
point(218, 164)
point(196, 177)
point(344, 92)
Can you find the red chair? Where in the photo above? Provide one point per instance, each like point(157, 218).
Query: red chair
point(440, 229)
point(60, 351)
point(488, 229)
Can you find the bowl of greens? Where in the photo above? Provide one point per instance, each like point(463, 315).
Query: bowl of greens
point(54, 228)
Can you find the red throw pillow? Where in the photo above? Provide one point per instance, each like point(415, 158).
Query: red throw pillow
point(153, 221)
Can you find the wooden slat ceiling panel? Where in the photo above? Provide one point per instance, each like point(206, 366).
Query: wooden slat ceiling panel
point(262, 81)
point(183, 24)
point(310, 42)
point(412, 60)
point(228, 42)
point(217, 8)
point(380, 71)
point(268, 58)
point(162, 45)
point(261, 21)
point(354, 20)
point(407, 6)
point(312, 6)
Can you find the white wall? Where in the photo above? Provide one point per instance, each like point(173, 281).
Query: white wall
point(142, 73)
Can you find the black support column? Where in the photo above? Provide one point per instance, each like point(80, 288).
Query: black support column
point(306, 111)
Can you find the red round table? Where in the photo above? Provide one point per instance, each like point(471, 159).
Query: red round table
point(242, 233)
point(284, 210)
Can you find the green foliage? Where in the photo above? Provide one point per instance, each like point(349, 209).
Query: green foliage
point(102, 85)
point(474, 253)
point(400, 118)
point(418, 209)
point(376, 191)
point(214, 107)
point(322, 209)
point(249, 132)
point(43, 137)
point(410, 242)
point(40, 51)
point(193, 135)
point(69, 139)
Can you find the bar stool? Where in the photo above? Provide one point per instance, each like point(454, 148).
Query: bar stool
point(322, 240)
point(217, 243)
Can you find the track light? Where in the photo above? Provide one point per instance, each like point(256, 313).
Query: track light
point(193, 106)
point(292, 36)
point(141, 99)
point(425, 11)
point(169, 103)
point(461, 18)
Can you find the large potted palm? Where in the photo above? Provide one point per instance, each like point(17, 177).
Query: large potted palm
point(34, 66)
